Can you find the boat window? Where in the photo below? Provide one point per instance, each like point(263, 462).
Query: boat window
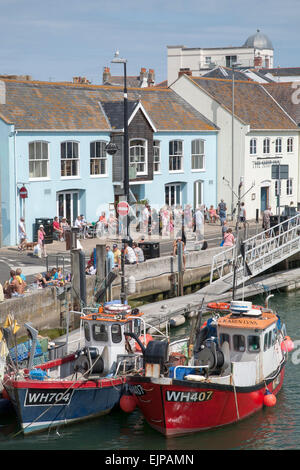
point(116, 333)
point(270, 339)
point(224, 337)
point(87, 333)
point(266, 341)
point(274, 336)
point(100, 333)
point(253, 343)
point(239, 343)
point(137, 326)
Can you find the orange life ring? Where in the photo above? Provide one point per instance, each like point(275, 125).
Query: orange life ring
point(219, 305)
point(143, 341)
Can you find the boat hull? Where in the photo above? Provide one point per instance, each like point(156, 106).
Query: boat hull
point(44, 404)
point(182, 407)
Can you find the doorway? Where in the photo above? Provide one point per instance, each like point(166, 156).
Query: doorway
point(173, 196)
point(264, 198)
point(68, 205)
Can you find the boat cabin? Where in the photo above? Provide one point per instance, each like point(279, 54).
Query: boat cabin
point(251, 334)
point(104, 333)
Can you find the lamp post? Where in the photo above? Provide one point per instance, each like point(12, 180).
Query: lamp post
point(233, 66)
point(119, 60)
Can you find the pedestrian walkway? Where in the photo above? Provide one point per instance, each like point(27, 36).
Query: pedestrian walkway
point(59, 254)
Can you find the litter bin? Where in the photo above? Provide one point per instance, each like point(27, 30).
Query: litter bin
point(48, 227)
point(150, 249)
point(275, 220)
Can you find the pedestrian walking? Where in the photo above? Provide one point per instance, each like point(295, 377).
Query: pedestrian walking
point(221, 211)
point(266, 222)
point(242, 215)
point(199, 223)
point(22, 234)
point(41, 240)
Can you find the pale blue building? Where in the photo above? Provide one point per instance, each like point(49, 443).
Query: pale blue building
point(53, 138)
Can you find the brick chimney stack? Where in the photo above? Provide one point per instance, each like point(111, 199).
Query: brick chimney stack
point(143, 74)
point(106, 75)
point(151, 77)
point(186, 71)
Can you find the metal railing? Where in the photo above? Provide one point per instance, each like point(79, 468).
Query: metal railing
point(261, 252)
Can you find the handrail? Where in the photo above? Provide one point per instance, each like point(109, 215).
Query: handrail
point(279, 239)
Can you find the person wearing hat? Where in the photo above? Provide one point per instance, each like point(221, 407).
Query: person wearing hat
point(117, 255)
point(41, 240)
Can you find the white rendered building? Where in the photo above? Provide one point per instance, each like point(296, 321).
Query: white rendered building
point(265, 139)
point(257, 51)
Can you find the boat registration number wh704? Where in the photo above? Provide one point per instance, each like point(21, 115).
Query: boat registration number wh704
point(38, 397)
point(172, 395)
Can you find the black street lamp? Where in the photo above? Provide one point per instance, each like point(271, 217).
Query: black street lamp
point(118, 60)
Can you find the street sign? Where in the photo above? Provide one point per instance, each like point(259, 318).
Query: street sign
point(123, 208)
point(111, 148)
point(23, 192)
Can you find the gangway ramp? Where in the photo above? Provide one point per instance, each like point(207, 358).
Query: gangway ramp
point(259, 253)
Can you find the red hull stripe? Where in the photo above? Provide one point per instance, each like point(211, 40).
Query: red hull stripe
point(46, 384)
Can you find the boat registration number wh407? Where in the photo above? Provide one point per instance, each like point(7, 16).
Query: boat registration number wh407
point(38, 397)
point(172, 395)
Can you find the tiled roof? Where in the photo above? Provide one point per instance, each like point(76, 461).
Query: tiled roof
point(282, 71)
point(114, 111)
point(61, 106)
point(118, 80)
point(253, 105)
point(225, 72)
point(288, 96)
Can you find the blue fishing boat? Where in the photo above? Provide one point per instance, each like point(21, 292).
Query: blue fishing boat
point(84, 384)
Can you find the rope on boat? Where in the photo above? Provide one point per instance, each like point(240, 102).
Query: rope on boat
point(235, 398)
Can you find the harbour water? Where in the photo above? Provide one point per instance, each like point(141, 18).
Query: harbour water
point(275, 428)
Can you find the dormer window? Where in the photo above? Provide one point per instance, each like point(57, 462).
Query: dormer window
point(138, 155)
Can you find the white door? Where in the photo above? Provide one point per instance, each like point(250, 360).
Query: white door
point(173, 196)
point(198, 193)
point(68, 205)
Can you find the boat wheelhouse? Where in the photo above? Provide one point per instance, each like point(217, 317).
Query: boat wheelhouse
point(84, 384)
point(234, 366)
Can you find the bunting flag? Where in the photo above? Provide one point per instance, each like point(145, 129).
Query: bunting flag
point(11, 323)
point(16, 327)
point(8, 321)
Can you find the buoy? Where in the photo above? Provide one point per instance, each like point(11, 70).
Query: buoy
point(127, 403)
point(131, 285)
point(287, 344)
point(5, 394)
point(177, 321)
point(269, 399)
point(142, 340)
point(218, 305)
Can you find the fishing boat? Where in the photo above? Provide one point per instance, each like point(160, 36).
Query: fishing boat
point(84, 384)
point(229, 368)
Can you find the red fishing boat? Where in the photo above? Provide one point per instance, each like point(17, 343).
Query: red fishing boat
point(230, 367)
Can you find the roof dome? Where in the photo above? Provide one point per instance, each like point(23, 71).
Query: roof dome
point(259, 41)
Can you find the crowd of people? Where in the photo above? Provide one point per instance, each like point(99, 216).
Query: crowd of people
point(17, 286)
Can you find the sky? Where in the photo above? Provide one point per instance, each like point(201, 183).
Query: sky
point(57, 40)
